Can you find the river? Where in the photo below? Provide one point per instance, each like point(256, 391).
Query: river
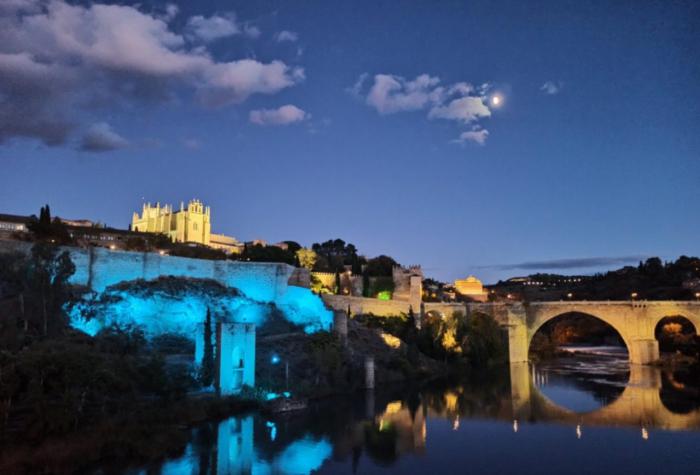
point(590, 413)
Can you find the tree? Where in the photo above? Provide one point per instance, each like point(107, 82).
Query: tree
point(380, 266)
point(307, 258)
point(207, 371)
point(45, 229)
point(337, 283)
point(335, 254)
point(46, 285)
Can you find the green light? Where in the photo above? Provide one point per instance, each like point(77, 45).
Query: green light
point(384, 295)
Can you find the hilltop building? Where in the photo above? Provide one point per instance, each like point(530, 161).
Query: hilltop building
point(191, 224)
point(471, 287)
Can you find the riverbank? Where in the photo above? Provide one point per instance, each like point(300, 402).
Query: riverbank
point(131, 404)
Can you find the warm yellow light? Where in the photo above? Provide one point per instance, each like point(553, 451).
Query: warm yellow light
point(634, 295)
point(391, 341)
point(496, 100)
point(112, 246)
point(569, 295)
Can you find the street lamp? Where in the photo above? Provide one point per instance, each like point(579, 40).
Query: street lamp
point(697, 295)
point(569, 295)
point(634, 295)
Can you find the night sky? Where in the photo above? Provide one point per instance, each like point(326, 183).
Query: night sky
point(370, 121)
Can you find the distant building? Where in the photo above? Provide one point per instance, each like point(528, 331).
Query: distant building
point(11, 224)
point(187, 225)
point(471, 287)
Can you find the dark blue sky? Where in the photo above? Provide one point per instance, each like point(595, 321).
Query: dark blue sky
point(593, 153)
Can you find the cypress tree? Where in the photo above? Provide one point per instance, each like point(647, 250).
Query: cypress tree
point(207, 371)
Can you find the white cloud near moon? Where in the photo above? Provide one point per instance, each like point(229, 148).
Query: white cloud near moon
point(460, 102)
point(551, 87)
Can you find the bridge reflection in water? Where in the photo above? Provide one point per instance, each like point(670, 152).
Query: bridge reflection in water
point(381, 427)
point(639, 404)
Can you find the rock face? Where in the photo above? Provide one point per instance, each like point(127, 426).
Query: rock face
point(168, 293)
point(178, 305)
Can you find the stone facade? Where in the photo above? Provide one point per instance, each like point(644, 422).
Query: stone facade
point(472, 288)
point(191, 224)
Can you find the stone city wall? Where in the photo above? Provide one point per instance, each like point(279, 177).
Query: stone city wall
point(357, 305)
point(98, 268)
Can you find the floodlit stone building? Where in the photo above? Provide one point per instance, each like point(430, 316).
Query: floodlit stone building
point(471, 287)
point(191, 224)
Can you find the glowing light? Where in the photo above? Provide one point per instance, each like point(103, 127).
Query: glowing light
point(273, 430)
point(392, 408)
point(275, 359)
point(384, 295)
point(455, 424)
point(391, 341)
point(515, 425)
point(645, 433)
point(496, 100)
point(578, 431)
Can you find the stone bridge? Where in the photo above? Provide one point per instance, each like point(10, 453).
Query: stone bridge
point(635, 321)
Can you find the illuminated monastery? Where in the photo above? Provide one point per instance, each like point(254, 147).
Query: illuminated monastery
point(191, 224)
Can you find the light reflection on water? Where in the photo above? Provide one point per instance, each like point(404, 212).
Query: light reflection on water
point(571, 415)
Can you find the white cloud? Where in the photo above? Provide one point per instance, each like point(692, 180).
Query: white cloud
point(390, 94)
point(101, 138)
point(465, 109)
point(284, 115)
point(551, 87)
point(460, 102)
point(251, 31)
point(286, 35)
point(356, 89)
point(476, 135)
point(57, 58)
point(211, 28)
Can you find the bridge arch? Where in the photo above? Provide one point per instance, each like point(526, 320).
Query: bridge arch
point(549, 317)
point(676, 333)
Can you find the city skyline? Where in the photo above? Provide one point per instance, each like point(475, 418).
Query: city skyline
point(485, 138)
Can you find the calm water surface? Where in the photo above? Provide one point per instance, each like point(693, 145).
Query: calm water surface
point(589, 414)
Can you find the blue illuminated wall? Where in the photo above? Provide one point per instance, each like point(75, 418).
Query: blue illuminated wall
point(259, 284)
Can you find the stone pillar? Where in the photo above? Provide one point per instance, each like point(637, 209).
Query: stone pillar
point(415, 295)
point(369, 372)
point(644, 351)
point(518, 343)
point(340, 326)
